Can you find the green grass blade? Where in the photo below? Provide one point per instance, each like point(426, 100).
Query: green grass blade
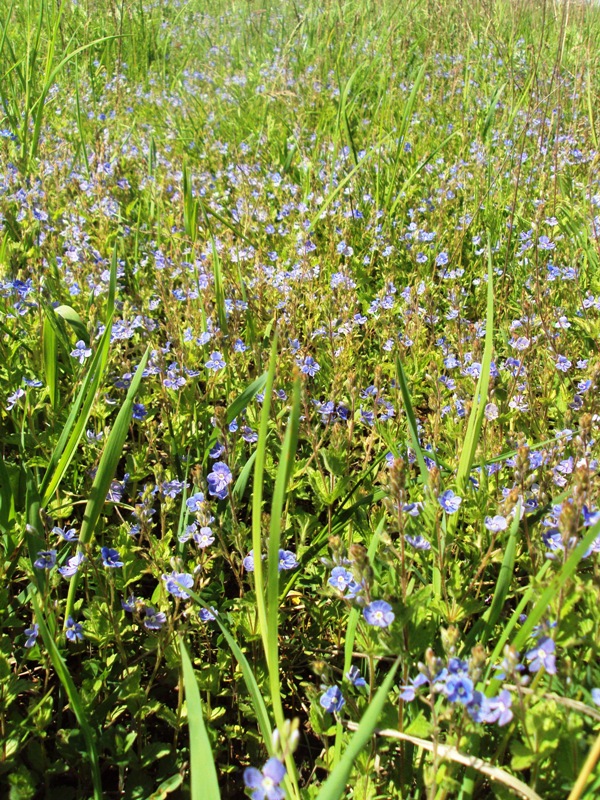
point(412, 420)
point(50, 350)
point(109, 461)
point(336, 784)
point(475, 422)
point(205, 783)
point(74, 698)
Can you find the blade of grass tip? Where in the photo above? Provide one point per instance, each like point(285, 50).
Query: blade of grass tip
point(74, 698)
point(335, 786)
point(72, 317)
point(412, 420)
point(80, 411)
point(109, 460)
point(258, 702)
point(217, 271)
point(486, 623)
point(76, 421)
point(479, 401)
point(183, 512)
point(205, 783)
point(243, 478)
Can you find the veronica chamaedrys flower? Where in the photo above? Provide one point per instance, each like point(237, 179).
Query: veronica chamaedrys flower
point(379, 614)
point(332, 699)
point(195, 502)
point(265, 783)
point(204, 537)
point(340, 578)
point(173, 580)
point(219, 479)
point(215, 362)
point(287, 560)
point(72, 565)
point(595, 694)
point(81, 351)
point(208, 614)
point(73, 630)
point(542, 655)
point(46, 559)
point(459, 689)
point(450, 502)
point(31, 634)
point(498, 709)
point(355, 677)
point(309, 366)
point(111, 558)
point(153, 619)
point(496, 523)
point(69, 534)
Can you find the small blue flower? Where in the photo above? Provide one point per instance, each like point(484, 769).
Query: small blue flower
point(69, 535)
point(46, 559)
point(219, 479)
point(379, 614)
point(195, 502)
point(265, 784)
point(459, 689)
point(310, 366)
point(73, 630)
point(173, 580)
point(450, 502)
point(111, 558)
point(153, 619)
point(139, 411)
point(208, 614)
point(332, 699)
point(542, 655)
point(131, 603)
point(498, 709)
point(72, 565)
point(81, 351)
point(287, 560)
point(355, 677)
point(595, 694)
point(204, 537)
point(340, 579)
point(496, 524)
point(32, 633)
point(215, 362)
point(173, 488)
point(217, 450)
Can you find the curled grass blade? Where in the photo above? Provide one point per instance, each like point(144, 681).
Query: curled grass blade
point(411, 419)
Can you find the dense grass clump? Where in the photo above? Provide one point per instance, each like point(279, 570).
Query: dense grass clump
point(299, 400)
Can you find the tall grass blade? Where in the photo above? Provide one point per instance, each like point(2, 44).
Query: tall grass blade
point(106, 469)
point(75, 700)
point(205, 783)
point(335, 786)
point(412, 420)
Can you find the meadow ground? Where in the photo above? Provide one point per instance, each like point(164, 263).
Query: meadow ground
point(299, 399)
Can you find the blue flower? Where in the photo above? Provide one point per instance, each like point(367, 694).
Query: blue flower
point(208, 614)
point(204, 537)
point(153, 619)
point(81, 351)
point(32, 634)
point(332, 699)
point(498, 709)
point(73, 630)
point(219, 479)
point(195, 502)
point(173, 580)
point(217, 450)
point(111, 558)
point(418, 542)
point(215, 362)
point(340, 579)
point(139, 411)
point(595, 694)
point(131, 603)
point(459, 689)
point(496, 524)
point(542, 655)
point(69, 535)
point(310, 366)
point(379, 613)
point(173, 488)
point(265, 784)
point(355, 677)
point(287, 560)
point(46, 559)
point(450, 502)
point(72, 565)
